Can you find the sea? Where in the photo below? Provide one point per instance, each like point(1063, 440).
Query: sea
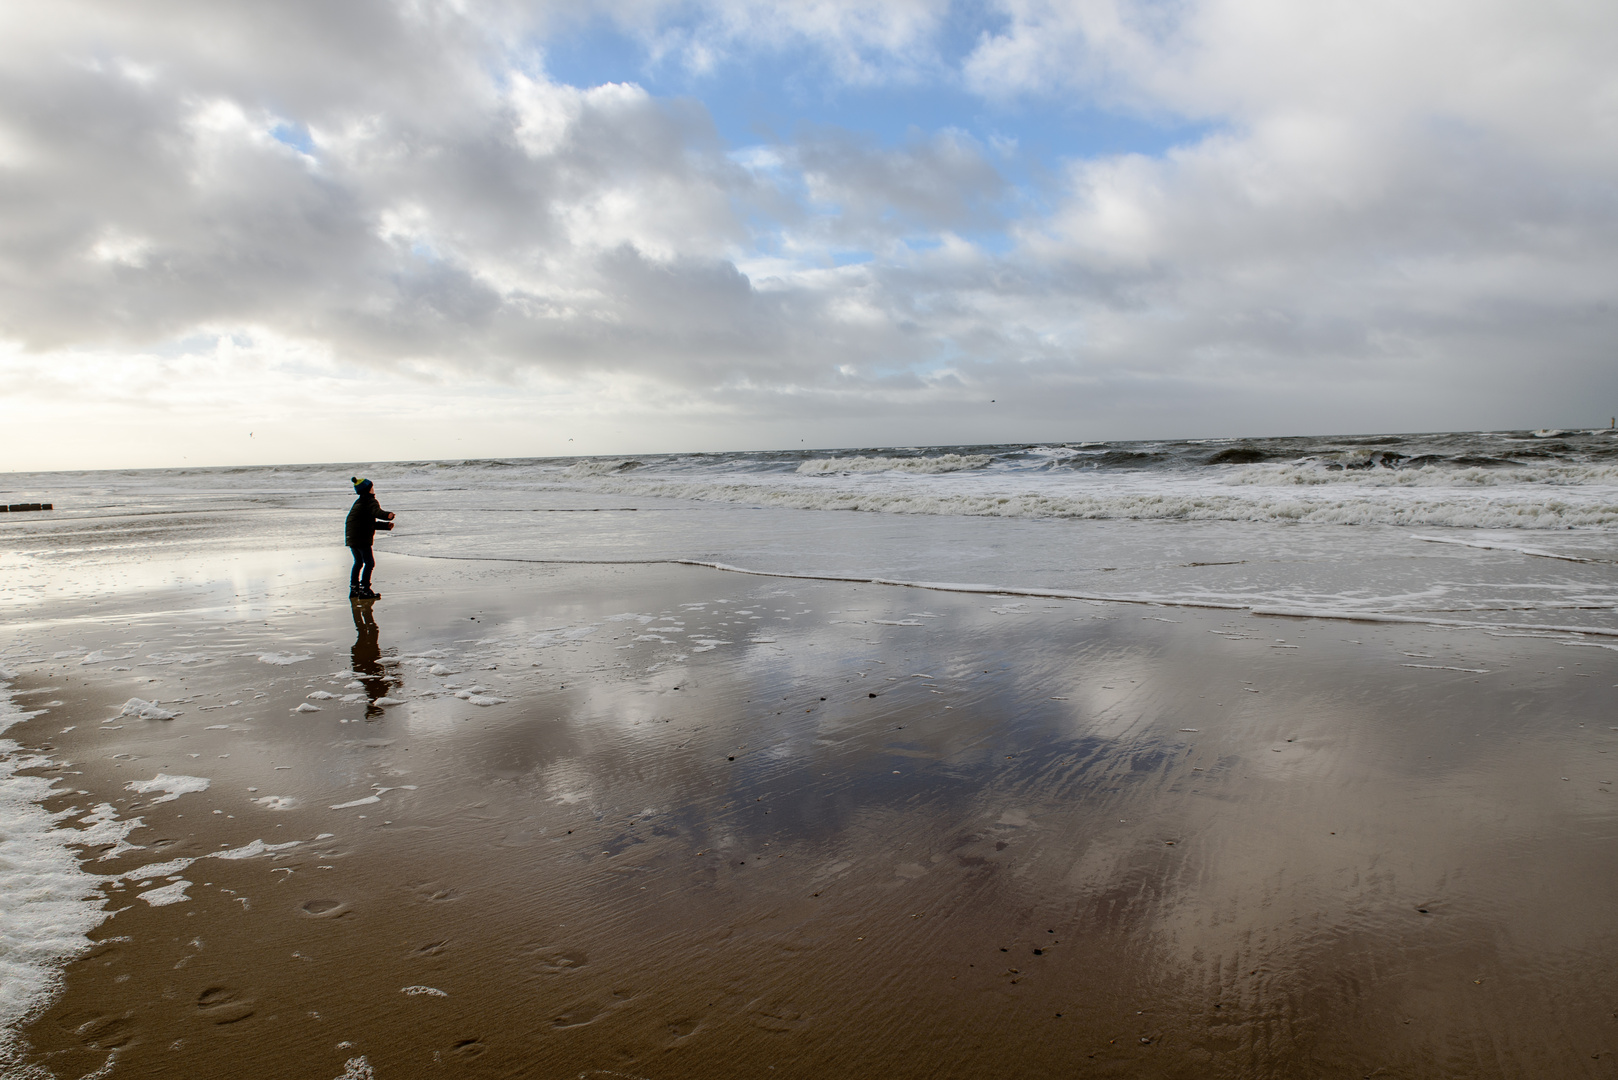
point(1507, 529)
point(1512, 533)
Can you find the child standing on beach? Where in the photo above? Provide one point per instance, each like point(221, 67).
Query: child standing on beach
point(365, 517)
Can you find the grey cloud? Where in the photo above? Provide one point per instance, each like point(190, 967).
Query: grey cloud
point(930, 183)
point(458, 211)
point(498, 224)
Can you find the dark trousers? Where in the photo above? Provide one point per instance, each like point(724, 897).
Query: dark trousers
point(364, 563)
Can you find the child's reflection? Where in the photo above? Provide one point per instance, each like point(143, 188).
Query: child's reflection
point(367, 654)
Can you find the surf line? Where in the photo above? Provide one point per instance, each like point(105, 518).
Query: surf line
point(538, 510)
point(1538, 553)
point(1335, 614)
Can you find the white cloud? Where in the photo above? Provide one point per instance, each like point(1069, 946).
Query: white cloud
point(397, 197)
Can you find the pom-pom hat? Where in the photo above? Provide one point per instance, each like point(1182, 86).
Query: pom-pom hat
point(360, 486)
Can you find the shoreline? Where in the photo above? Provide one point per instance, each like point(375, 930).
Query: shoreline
point(757, 877)
point(1267, 610)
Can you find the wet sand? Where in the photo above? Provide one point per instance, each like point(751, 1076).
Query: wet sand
point(686, 823)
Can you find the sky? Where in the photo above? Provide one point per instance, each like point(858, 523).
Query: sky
point(247, 233)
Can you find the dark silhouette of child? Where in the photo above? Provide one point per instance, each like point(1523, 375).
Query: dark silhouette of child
point(365, 517)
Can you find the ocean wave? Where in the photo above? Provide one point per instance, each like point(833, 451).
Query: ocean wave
point(1461, 510)
point(602, 467)
point(1315, 473)
point(1238, 455)
point(943, 463)
point(1114, 459)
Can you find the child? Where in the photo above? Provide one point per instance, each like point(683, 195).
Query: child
point(364, 518)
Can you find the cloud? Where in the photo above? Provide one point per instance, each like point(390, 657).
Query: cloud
point(1373, 196)
point(1425, 187)
point(503, 221)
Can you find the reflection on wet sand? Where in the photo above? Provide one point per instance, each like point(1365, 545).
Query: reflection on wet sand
point(366, 656)
point(707, 830)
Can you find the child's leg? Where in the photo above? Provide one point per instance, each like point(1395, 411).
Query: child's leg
point(354, 575)
point(370, 564)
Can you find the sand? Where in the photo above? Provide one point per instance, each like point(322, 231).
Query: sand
point(684, 823)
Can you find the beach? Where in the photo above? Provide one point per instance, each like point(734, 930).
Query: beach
point(630, 816)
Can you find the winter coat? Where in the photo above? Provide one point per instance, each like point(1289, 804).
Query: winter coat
point(365, 517)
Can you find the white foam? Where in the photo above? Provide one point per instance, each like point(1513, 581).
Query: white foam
point(157, 870)
point(357, 1068)
point(101, 656)
point(179, 866)
point(374, 797)
point(428, 991)
point(144, 710)
point(943, 463)
point(1546, 497)
point(320, 695)
point(173, 893)
point(174, 786)
point(252, 850)
point(602, 468)
point(306, 707)
point(48, 902)
point(277, 802)
point(103, 827)
point(281, 659)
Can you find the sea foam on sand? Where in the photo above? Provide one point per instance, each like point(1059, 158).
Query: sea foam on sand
point(172, 786)
point(48, 904)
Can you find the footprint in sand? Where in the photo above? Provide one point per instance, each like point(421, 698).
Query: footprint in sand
point(432, 892)
point(776, 1017)
point(324, 909)
point(100, 1031)
point(469, 1048)
point(590, 1010)
point(223, 1005)
point(679, 1029)
point(552, 960)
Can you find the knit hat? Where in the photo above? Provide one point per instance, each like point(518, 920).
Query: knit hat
point(360, 486)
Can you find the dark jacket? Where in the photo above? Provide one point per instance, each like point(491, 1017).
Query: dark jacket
point(365, 517)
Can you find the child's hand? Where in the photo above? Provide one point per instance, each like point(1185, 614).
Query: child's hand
point(390, 515)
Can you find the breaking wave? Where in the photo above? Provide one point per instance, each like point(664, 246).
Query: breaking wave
point(1203, 503)
point(944, 463)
